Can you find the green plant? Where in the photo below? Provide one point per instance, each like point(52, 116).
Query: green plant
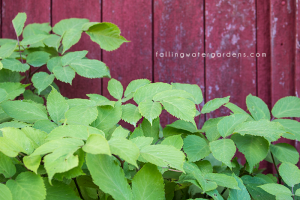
point(75, 149)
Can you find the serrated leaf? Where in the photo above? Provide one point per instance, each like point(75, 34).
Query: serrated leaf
point(192, 89)
point(227, 124)
point(120, 132)
point(214, 104)
point(196, 148)
point(36, 136)
point(115, 88)
point(285, 152)
point(154, 187)
point(53, 62)
point(109, 176)
point(35, 29)
point(90, 68)
point(150, 110)
point(70, 37)
point(254, 148)
point(96, 144)
point(7, 49)
point(183, 125)
point(27, 186)
point(81, 115)
point(175, 141)
point(53, 41)
point(258, 108)
point(7, 167)
point(292, 128)
point(59, 191)
point(222, 180)
point(241, 194)
point(12, 89)
point(9, 76)
point(107, 35)
point(287, 107)
point(289, 173)
point(5, 193)
point(131, 114)
point(33, 39)
point(141, 141)
point(57, 106)
point(38, 58)
point(134, 85)
point(32, 162)
point(151, 130)
point(72, 56)
point(29, 95)
point(18, 23)
point(163, 156)
point(42, 80)
point(66, 24)
point(14, 65)
point(223, 150)
point(44, 125)
point(235, 109)
point(276, 189)
point(172, 93)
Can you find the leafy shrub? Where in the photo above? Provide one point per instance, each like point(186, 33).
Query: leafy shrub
point(75, 149)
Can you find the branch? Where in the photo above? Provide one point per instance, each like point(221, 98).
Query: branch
point(279, 177)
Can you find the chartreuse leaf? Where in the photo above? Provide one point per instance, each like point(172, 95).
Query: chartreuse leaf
point(210, 128)
point(33, 39)
point(14, 65)
point(174, 140)
point(134, 85)
point(148, 91)
point(7, 167)
point(258, 108)
point(81, 115)
point(45, 125)
point(38, 58)
point(18, 23)
point(67, 24)
point(96, 144)
point(292, 127)
point(5, 193)
point(181, 108)
point(223, 150)
point(120, 132)
point(196, 148)
point(57, 106)
point(65, 74)
point(285, 152)
point(131, 114)
point(115, 88)
point(192, 89)
point(42, 80)
point(172, 93)
point(27, 186)
point(36, 29)
point(290, 173)
point(236, 110)
point(90, 68)
point(141, 141)
point(214, 104)
point(59, 191)
point(151, 130)
point(54, 62)
point(222, 180)
point(71, 56)
point(109, 176)
point(297, 192)
point(269, 130)
point(124, 148)
point(148, 183)
point(12, 89)
point(70, 37)
point(254, 148)
point(241, 193)
point(36, 136)
point(227, 124)
point(183, 125)
point(287, 107)
point(107, 35)
point(276, 189)
point(163, 156)
point(32, 162)
point(7, 49)
point(53, 41)
point(150, 110)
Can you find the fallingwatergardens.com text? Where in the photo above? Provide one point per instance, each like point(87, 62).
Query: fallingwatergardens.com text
point(169, 54)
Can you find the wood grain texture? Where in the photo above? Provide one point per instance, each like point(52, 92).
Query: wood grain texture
point(178, 28)
point(37, 12)
point(230, 27)
point(62, 9)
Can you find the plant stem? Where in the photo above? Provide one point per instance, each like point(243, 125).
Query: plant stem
point(20, 49)
point(199, 122)
point(121, 161)
point(223, 191)
point(75, 181)
point(279, 177)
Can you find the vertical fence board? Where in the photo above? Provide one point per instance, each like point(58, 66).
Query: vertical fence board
point(178, 28)
point(230, 27)
point(297, 59)
point(37, 11)
point(62, 9)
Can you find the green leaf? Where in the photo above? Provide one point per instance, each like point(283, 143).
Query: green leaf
point(9, 76)
point(289, 173)
point(258, 108)
point(163, 156)
point(241, 194)
point(53, 41)
point(172, 93)
point(196, 148)
point(130, 114)
point(7, 49)
point(124, 148)
point(297, 192)
point(109, 176)
point(81, 115)
point(45, 125)
point(59, 191)
point(138, 132)
point(115, 88)
point(192, 89)
point(120, 132)
point(14, 65)
point(222, 180)
point(141, 141)
point(56, 105)
point(36, 136)
point(134, 85)
point(210, 128)
point(38, 58)
point(67, 24)
point(276, 189)
point(32, 162)
point(35, 29)
point(147, 92)
point(148, 183)
point(29, 95)
point(12, 89)
point(72, 56)
point(223, 150)
point(18, 23)
point(70, 37)
point(285, 152)
point(175, 141)
point(181, 108)
point(236, 110)
point(214, 104)
point(227, 124)
point(107, 35)
point(96, 144)
point(27, 186)
point(292, 127)
point(33, 39)
point(90, 68)
point(269, 130)
point(254, 148)
point(287, 107)
point(5, 193)
point(150, 110)
point(23, 111)
point(54, 62)
point(183, 125)
point(151, 130)
point(7, 167)
point(42, 80)
point(64, 74)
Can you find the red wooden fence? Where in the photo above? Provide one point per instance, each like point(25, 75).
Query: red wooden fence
point(186, 26)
